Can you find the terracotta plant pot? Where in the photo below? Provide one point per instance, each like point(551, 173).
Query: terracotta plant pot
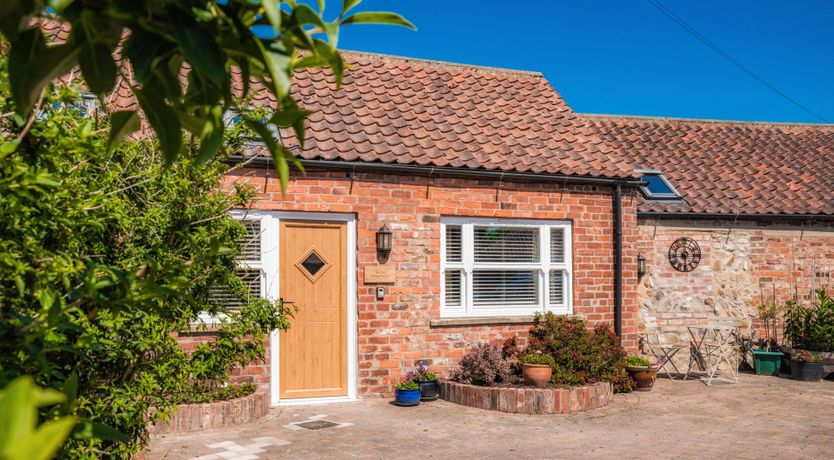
point(644, 376)
point(537, 374)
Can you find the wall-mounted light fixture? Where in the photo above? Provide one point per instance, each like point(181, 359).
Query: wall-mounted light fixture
point(383, 242)
point(641, 265)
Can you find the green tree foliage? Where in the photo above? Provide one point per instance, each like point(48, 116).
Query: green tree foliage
point(106, 253)
point(206, 42)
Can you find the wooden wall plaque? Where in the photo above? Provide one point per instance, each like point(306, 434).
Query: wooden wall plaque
point(380, 274)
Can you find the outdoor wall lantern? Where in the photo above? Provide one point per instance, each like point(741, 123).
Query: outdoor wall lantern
point(641, 265)
point(383, 242)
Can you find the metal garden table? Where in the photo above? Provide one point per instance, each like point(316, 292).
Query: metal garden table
point(712, 345)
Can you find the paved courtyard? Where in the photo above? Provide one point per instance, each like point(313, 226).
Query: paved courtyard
point(762, 417)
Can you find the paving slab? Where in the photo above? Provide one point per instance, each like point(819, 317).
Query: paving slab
point(761, 417)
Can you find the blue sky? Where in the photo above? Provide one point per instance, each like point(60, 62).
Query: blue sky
point(626, 57)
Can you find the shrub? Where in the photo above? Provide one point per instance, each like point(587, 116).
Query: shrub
point(483, 365)
point(811, 327)
point(581, 356)
point(105, 255)
point(537, 358)
point(638, 361)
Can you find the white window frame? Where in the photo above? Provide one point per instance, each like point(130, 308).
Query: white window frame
point(543, 267)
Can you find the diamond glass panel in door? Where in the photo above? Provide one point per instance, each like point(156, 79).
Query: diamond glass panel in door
point(506, 244)
point(313, 263)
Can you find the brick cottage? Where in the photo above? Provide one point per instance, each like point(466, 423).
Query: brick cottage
point(502, 202)
point(443, 205)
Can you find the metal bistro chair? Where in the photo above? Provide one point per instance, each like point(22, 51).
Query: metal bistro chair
point(663, 353)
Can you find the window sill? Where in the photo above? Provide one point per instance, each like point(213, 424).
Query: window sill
point(480, 321)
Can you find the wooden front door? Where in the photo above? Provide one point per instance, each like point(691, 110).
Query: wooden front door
point(314, 351)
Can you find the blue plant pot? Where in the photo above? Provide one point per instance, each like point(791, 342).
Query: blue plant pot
point(429, 390)
point(407, 397)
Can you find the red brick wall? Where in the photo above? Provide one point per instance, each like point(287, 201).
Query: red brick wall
point(256, 372)
point(394, 332)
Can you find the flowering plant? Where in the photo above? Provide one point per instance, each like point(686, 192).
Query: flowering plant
point(807, 356)
point(407, 382)
point(422, 374)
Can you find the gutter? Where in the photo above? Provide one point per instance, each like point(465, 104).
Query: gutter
point(736, 216)
point(435, 171)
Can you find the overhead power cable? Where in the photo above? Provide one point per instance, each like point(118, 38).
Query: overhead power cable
point(679, 21)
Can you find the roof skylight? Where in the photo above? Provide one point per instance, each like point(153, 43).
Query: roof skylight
point(657, 186)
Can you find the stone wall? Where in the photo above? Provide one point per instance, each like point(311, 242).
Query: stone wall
point(742, 263)
point(397, 331)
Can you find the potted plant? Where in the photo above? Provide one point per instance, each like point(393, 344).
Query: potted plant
point(806, 366)
point(407, 392)
point(427, 380)
point(767, 359)
point(537, 368)
point(643, 371)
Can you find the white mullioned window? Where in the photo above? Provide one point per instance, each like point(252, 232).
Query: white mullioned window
point(504, 267)
point(250, 269)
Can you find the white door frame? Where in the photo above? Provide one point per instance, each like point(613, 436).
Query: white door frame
point(271, 262)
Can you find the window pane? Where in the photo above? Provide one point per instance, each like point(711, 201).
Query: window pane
point(557, 288)
point(453, 244)
point(452, 288)
point(506, 244)
point(225, 297)
point(505, 287)
point(656, 185)
point(250, 243)
point(557, 245)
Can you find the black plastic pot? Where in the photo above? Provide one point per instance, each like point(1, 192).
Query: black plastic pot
point(806, 371)
point(429, 390)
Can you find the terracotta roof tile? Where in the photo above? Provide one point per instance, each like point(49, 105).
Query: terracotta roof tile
point(729, 167)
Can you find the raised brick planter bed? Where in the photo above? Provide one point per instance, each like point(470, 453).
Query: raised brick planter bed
point(194, 417)
point(529, 400)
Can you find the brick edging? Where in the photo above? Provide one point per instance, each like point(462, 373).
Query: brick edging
point(567, 400)
point(194, 417)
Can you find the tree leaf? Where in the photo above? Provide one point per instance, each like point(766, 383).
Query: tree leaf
point(293, 116)
point(59, 5)
point(70, 389)
point(98, 67)
point(377, 17)
point(280, 154)
point(200, 49)
point(348, 5)
point(164, 121)
point(211, 139)
point(144, 50)
point(32, 65)
point(279, 65)
point(122, 124)
point(43, 443)
point(273, 13)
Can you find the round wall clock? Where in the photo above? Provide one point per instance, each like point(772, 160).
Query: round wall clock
point(684, 254)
